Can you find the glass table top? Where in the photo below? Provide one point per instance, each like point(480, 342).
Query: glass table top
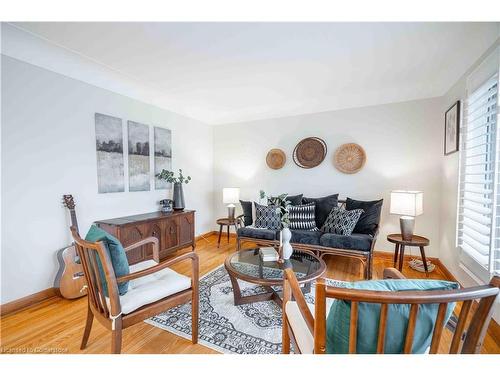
point(249, 263)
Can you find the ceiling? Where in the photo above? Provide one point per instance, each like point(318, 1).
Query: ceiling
point(233, 72)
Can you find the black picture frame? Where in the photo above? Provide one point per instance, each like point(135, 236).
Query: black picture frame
point(452, 129)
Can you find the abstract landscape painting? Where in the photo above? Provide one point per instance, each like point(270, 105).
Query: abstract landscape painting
point(163, 155)
point(109, 146)
point(138, 156)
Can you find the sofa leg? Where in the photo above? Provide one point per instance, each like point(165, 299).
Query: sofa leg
point(369, 267)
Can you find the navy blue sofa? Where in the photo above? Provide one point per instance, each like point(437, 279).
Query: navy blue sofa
point(357, 245)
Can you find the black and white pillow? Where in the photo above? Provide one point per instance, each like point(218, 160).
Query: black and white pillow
point(340, 221)
point(302, 217)
point(266, 217)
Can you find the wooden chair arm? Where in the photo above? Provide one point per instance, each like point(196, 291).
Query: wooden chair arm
point(292, 288)
point(392, 273)
point(240, 220)
point(135, 275)
point(153, 240)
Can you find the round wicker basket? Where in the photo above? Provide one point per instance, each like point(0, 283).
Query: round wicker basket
point(275, 158)
point(309, 152)
point(349, 158)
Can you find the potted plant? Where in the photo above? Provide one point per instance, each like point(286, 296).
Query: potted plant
point(178, 196)
point(281, 203)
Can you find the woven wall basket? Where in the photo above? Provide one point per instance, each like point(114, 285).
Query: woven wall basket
point(275, 158)
point(309, 152)
point(349, 158)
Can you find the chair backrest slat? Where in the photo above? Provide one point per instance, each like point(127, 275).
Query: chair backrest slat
point(353, 328)
point(438, 328)
point(475, 333)
point(410, 330)
point(89, 254)
point(459, 330)
point(382, 328)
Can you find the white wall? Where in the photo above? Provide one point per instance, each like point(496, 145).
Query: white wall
point(403, 143)
point(448, 252)
point(48, 149)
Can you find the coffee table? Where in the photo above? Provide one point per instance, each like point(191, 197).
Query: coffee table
point(247, 265)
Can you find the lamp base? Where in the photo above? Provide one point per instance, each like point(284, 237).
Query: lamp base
point(230, 211)
point(407, 224)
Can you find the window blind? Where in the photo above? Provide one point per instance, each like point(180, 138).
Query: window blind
point(479, 210)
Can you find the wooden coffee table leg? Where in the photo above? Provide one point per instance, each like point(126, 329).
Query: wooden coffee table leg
point(220, 234)
point(396, 252)
point(422, 252)
point(242, 300)
point(401, 257)
point(228, 233)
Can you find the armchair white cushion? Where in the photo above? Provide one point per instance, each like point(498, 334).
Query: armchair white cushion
point(303, 337)
point(151, 288)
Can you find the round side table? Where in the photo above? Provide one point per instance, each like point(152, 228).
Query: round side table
point(227, 222)
point(400, 245)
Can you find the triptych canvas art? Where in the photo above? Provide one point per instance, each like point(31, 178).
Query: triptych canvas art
point(110, 157)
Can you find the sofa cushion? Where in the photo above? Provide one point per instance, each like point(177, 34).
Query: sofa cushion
point(308, 237)
point(302, 217)
point(246, 206)
point(370, 219)
point(266, 217)
point(294, 200)
point(116, 254)
point(340, 221)
point(356, 241)
point(323, 207)
point(253, 232)
point(338, 321)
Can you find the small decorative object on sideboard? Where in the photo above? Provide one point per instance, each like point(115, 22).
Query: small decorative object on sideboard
point(230, 196)
point(166, 205)
point(408, 204)
point(178, 195)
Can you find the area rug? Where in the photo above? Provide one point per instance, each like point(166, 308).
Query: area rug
point(253, 328)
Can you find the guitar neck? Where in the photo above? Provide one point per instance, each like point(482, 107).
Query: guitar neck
point(74, 222)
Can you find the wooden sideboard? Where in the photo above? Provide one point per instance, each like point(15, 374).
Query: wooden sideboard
point(174, 231)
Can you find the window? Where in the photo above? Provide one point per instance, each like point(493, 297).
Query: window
point(479, 206)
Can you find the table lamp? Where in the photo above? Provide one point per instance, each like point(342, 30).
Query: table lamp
point(408, 204)
point(230, 196)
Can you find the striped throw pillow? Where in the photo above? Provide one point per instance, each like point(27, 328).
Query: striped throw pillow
point(302, 217)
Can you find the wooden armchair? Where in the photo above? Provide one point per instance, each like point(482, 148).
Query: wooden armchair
point(308, 332)
point(140, 302)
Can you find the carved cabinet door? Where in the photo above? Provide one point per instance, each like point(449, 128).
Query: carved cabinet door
point(170, 234)
point(186, 229)
point(153, 230)
point(129, 235)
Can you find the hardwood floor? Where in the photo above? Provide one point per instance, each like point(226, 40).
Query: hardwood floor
point(56, 325)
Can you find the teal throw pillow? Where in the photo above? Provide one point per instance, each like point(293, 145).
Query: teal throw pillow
point(338, 321)
point(117, 254)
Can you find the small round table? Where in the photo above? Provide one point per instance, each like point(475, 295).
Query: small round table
point(417, 241)
point(247, 265)
point(226, 222)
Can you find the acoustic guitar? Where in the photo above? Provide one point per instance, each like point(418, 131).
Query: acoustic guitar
point(70, 281)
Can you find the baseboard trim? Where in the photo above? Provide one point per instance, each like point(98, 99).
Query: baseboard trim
point(200, 236)
point(22, 303)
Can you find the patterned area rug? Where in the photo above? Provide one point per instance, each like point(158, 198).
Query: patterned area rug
point(253, 328)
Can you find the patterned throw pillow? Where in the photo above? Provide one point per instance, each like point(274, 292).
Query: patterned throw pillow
point(266, 217)
point(340, 221)
point(302, 217)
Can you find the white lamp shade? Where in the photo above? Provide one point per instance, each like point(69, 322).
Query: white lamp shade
point(230, 195)
point(407, 203)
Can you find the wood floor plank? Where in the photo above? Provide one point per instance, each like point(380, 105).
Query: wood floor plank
point(56, 325)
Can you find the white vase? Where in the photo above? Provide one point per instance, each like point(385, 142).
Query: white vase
point(287, 249)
